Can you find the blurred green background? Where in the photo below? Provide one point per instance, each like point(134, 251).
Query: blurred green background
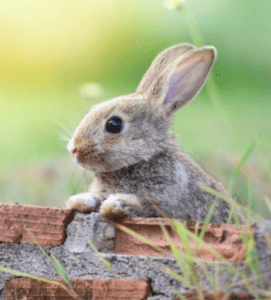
point(51, 53)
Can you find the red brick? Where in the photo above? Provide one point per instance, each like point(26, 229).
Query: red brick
point(121, 289)
point(48, 225)
point(225, 239)
point(30, 289)
point(98, 289)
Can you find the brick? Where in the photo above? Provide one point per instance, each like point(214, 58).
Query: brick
point(225, 239)
point(31, 289)
point(98, 289)
point(121, 289)
point(48, 225)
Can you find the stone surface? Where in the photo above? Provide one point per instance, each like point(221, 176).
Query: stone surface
point(262, 237)
point(48, 225)
point(86, 228)
point(98, 289)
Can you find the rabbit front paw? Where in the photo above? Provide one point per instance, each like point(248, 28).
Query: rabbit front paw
point(113, 209)
point(83, 202)
point(116, 206)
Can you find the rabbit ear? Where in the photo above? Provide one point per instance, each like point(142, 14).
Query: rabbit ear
point(164, 59)
point(173, 89)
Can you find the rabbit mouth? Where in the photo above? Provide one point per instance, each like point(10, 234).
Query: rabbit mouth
point(86, 157)
point(92, 161)
point(83, 158)
point(85, 154)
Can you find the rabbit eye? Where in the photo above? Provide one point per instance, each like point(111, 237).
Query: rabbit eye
point(114, 125)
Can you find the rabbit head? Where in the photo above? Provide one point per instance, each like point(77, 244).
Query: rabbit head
point(132, 128)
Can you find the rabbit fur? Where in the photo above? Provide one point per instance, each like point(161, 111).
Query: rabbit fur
point(138, 170)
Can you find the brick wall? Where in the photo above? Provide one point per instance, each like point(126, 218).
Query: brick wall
point(138, 269)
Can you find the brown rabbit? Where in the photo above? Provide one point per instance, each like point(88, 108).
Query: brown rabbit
point(137, 167)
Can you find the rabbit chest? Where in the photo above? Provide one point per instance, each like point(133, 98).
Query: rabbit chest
point(163, 176)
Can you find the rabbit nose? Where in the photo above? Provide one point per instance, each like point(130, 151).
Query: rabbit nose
point(72, 147)
point(73, 151)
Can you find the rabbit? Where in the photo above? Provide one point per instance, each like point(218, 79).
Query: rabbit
point(137, 167)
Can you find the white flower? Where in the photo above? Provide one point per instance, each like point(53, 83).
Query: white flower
point(91, 90)
point(174, 4)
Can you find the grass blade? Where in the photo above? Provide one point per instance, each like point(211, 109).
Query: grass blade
point(22, 274)
point(207, 220)
point(242, 161)
point(61, 271)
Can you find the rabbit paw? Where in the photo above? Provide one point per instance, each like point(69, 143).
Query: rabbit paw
point(82, 202)
point(114, 209)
